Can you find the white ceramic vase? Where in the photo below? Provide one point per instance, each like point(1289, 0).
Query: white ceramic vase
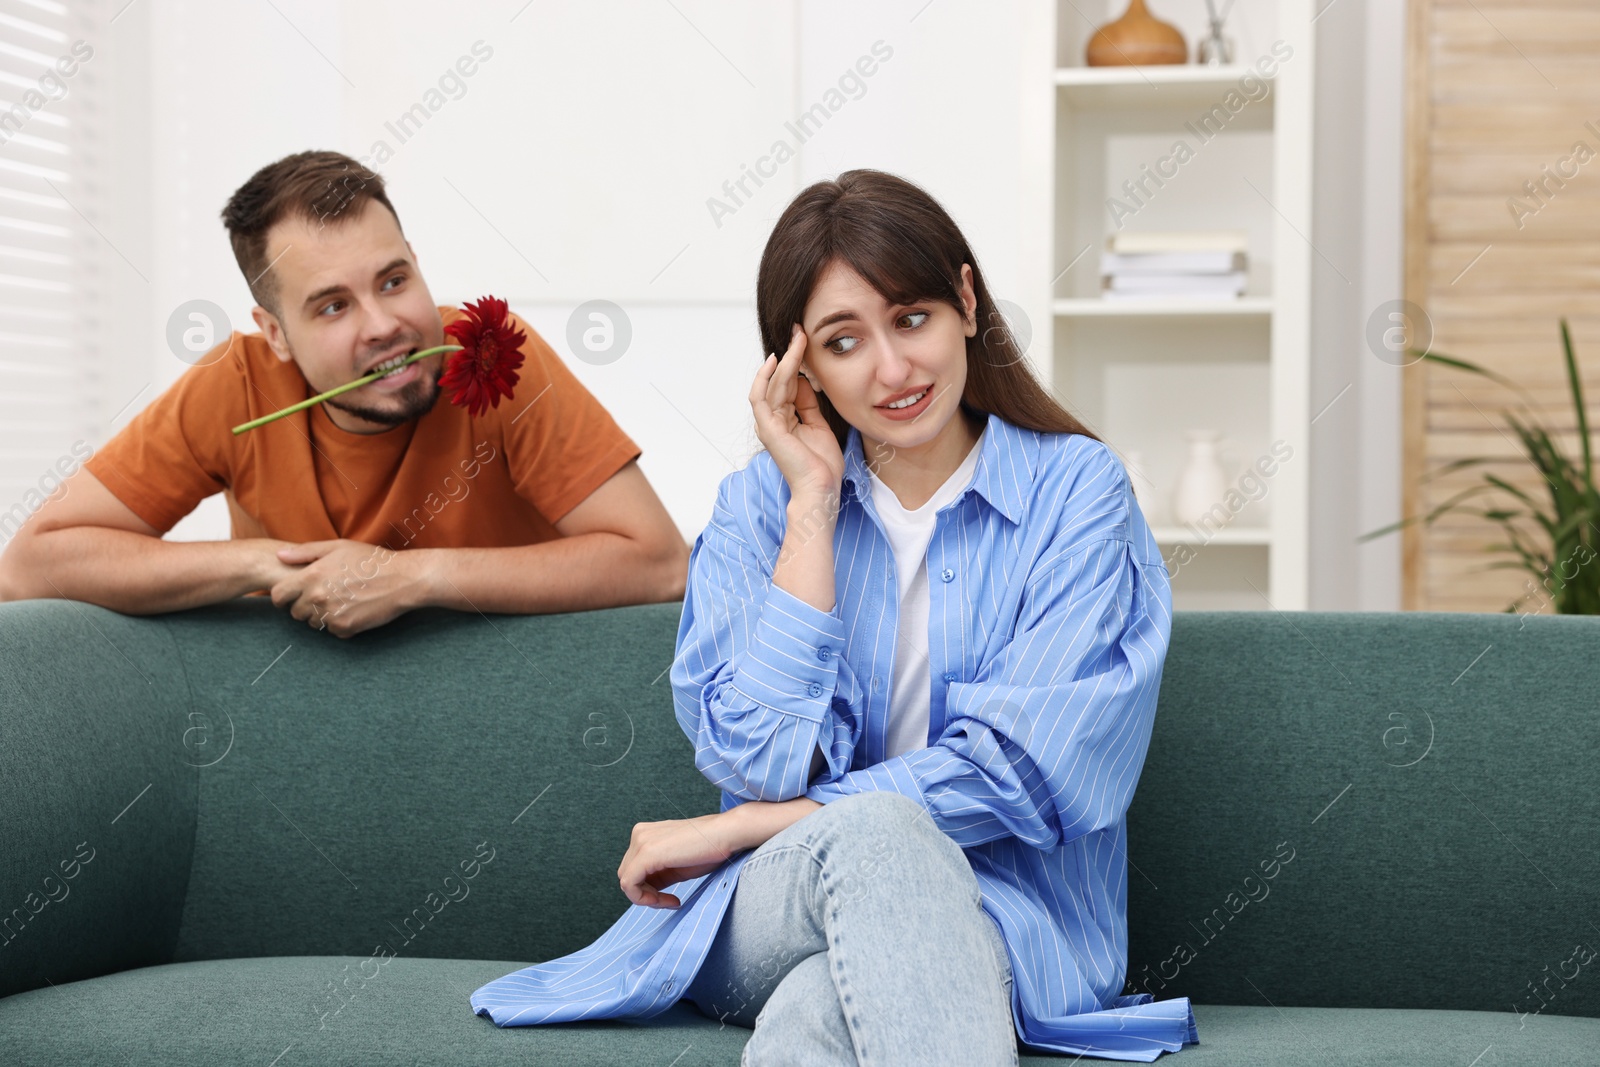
point(1202, 483)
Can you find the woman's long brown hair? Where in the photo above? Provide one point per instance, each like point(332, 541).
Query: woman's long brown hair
point(909, 249)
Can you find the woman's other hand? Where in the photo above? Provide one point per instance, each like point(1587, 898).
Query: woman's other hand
point(662, 853)
point(790, 425)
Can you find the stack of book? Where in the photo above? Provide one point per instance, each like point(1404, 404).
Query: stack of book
point(1196, 265)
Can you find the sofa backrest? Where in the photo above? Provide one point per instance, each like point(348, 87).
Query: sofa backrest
point(1378, 810)
point(97, 813)
point(1372, 810)
point(452, 785)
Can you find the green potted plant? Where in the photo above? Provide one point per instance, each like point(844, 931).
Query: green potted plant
point(1555, 540)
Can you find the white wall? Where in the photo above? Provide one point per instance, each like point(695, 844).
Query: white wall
point(577, 161)
point(1358, 232)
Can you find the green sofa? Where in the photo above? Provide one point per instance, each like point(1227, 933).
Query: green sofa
point(1359, 839)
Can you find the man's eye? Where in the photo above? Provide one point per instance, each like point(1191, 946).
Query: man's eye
point(333, 306)
point(847, 342)
point(396, 280)
point(912, 319)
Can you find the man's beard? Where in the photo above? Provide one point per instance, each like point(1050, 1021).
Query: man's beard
point(411, 402)
point(414, 401)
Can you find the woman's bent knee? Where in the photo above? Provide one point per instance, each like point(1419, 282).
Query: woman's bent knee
point(874, 814)
point(870, 835)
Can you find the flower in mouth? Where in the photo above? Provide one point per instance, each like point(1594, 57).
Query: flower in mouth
point(481, 369)
point(486, 367)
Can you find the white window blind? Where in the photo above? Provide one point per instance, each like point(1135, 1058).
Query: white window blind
point(48, 401)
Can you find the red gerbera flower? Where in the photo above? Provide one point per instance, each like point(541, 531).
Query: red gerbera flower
point(486, 367)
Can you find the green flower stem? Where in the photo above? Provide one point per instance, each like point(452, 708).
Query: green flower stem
point(345, 388)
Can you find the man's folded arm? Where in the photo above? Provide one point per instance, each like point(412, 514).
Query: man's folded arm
point(618, 546)
point(86, 544)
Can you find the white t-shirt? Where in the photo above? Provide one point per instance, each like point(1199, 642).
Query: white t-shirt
point(909, 533)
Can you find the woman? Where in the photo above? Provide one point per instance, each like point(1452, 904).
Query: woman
point(919, 654)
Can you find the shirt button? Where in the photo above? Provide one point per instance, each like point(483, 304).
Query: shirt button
point(949, 676)
point(668, 986)
point(814, 690)
point(948, 575)
point(875, 683)
point(824, 652)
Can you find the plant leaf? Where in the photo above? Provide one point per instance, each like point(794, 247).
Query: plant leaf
point(1459, 498)
point(1472, 368)
point(1452, 467)
point(1577, 400)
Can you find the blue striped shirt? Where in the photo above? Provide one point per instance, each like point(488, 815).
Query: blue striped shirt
point(1049, 617)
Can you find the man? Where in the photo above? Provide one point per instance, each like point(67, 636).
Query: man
point(371, 504)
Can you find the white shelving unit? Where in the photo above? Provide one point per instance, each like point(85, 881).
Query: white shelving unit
point(1087, 307)
point(1142, 373)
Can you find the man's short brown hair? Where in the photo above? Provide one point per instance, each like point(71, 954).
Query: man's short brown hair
point(320, 187)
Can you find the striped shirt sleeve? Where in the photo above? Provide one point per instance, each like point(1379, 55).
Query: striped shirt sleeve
point(758, 680)
point(1047, 741)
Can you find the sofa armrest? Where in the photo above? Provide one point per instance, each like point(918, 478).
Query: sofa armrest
point(98, 794)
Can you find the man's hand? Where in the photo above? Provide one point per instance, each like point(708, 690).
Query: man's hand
point(346, 587)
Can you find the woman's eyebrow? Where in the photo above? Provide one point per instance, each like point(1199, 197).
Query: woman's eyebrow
point(829, 320)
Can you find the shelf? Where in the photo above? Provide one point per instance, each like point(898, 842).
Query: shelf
point(1228, 535)
point(1142, 371)
point(1094, 307)
point(1178, 85)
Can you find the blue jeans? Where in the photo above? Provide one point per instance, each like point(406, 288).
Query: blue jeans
point(856, 937)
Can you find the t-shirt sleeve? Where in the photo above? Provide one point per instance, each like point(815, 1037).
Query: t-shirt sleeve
point(176, 452)
point(561, 443)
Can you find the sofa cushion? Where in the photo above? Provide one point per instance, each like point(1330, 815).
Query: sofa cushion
point(1249, 1036)
point(282, 1012)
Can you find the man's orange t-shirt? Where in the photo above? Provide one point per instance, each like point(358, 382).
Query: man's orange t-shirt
point(444, 480)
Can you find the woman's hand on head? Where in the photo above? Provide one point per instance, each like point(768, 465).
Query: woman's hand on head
point(790, 424)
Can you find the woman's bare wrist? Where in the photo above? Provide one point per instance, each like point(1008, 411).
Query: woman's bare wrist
point(805, 559)
point(813, 507)
point(753, 823)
